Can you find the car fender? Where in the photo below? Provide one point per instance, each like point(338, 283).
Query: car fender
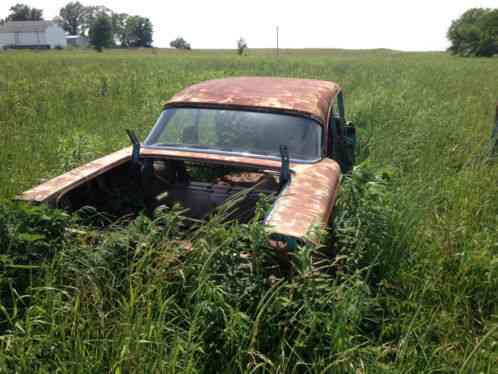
point(306, 202)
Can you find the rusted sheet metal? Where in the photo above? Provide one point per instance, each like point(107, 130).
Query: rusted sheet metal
point(57, 186)
point(304, 204)
point(304, 96)
point(51, 189)
point(263, 180)
point(307, 202)
point(210, 157)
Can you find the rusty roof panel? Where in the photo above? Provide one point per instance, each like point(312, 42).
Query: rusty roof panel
point(305, 96)
point(307, 201)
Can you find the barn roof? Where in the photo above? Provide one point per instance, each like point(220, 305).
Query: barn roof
point(306, 96)
point(25, 26)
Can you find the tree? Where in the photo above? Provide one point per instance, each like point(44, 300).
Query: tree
point(241, 46)
point(91, 15)
point(128, 31)
point(22, 12)
point(119, 28)
point(72, 17)
point(475, 33)
point(138, 32)
point(101, 32)
point(180, 43)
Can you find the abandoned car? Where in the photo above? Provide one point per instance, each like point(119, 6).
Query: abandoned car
point(281, 137)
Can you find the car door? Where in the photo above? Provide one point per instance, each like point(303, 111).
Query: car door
point(341, 136)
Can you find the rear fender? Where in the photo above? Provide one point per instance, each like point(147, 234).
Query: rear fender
point(306, 202)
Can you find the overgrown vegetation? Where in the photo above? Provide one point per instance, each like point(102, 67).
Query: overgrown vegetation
point(23, 12)
point(180, 43)
point(408, 283)
point(475, 33)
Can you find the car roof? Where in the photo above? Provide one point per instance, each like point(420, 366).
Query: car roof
point(308, 97)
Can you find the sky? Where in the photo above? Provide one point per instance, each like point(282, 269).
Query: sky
point(416, 25)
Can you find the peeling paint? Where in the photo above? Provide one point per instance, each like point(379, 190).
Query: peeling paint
point(304, 96)
point(305, 203)
point(49, 191)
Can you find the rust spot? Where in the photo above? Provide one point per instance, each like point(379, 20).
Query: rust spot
point(250, 179)
point(51, 189)
point(304, 204)
point(307, 202)
point(57, 186)
point(303, 96)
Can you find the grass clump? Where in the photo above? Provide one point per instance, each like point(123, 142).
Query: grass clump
point(133, 297)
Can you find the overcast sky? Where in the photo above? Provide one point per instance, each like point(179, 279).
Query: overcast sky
point(418, 25)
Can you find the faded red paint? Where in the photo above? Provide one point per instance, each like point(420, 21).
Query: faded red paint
point(304, 96)
point(305, 204)
point(55, 187)
point(222, 159)
point(51, 190)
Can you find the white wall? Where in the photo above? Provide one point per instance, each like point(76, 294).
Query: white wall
point(6, 39)
point(55, 36)
point(28, 38)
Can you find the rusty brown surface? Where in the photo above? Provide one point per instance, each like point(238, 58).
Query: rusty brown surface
point(246, 179)
point(304, 204)
point(305, 96)
point(307, 202)
point(223, 159)
point(57, 186)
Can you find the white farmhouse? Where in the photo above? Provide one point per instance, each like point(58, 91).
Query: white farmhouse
point(31, 34)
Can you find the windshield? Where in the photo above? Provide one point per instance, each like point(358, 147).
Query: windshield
point(237, 131)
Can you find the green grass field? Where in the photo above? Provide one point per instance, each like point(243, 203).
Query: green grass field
point(414, 285)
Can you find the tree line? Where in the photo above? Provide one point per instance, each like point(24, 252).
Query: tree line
point(104, 27)
point(475, 33)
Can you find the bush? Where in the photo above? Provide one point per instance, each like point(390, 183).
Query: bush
point(180, 43)
point(475, 33)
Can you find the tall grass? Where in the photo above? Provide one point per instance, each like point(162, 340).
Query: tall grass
point(412, 282)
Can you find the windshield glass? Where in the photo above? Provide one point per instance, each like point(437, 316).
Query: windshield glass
point(237, 131)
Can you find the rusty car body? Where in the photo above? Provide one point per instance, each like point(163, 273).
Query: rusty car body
point(303, 177)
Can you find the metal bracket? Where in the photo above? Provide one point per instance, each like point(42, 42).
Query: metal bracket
point(284, 169)
point(135, 153)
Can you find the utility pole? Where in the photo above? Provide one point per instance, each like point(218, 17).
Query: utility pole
point(277, 40)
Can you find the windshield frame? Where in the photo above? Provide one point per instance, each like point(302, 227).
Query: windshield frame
point(158, 128)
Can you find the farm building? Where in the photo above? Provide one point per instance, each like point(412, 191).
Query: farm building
point(77, 41)
point(31, 34)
